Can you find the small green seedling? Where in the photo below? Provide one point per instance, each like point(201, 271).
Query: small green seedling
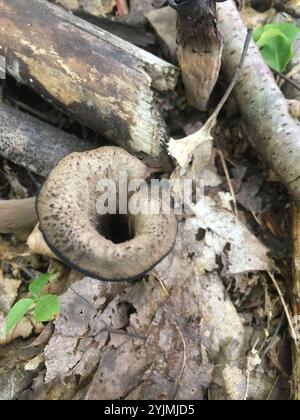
point(275, 42)
point(45, 306)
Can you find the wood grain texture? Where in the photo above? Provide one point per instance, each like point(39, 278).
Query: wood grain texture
point(108, 84)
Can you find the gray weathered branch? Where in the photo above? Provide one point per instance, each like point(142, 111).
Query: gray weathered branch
point(103, 81)
point(34, 144)
point(274, 132)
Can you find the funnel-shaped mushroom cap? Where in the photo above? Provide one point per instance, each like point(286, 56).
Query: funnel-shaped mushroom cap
point(81, 237)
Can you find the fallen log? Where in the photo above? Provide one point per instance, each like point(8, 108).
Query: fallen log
point(296, 300)
point(274, 133)
point(264, 109)
point(103, 81)
point(34, 144)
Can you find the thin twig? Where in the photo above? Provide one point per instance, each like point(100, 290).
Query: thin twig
point(235, 76)
point(273, 387)
point(287, 79)
point(185, 356)
point(164, 288)
point(273, 338)
point(230, 186)
point(220, 105)
point(286, 308)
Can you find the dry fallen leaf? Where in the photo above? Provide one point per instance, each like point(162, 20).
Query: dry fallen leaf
point(8, 292)
point(23, 329)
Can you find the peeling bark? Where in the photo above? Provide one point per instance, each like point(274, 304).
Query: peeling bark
point(103, 81)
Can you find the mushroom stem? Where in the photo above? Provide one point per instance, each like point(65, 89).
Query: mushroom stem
point(17, 215)
point(37, 244)
point(199, 48)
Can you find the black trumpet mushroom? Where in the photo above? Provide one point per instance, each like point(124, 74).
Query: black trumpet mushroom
point(111, 247)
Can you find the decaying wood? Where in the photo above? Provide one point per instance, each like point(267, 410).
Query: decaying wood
point(105, 82)
point(199, 48)
point(172, 335)
point(274, 132)
point(184, 334)
point(134, 34)
point(32, 143)
point(296, 299)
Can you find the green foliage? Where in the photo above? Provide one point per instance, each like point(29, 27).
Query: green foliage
point(45, 307)
point(275, 42)
point(17, 312)
point(37, 285)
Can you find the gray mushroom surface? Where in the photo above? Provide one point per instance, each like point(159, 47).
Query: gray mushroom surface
point(82, 238)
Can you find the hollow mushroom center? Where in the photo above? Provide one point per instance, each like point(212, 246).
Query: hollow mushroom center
point(110, 247)
point(115, 227)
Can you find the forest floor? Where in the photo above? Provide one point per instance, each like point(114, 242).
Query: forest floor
point(66, 359)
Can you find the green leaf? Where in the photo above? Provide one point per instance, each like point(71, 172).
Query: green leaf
point(287, 29)
point(258, 33)
point(276, 50)
point(17, 312)
point(275, 43)
point(47, 307)
point(37, 285)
